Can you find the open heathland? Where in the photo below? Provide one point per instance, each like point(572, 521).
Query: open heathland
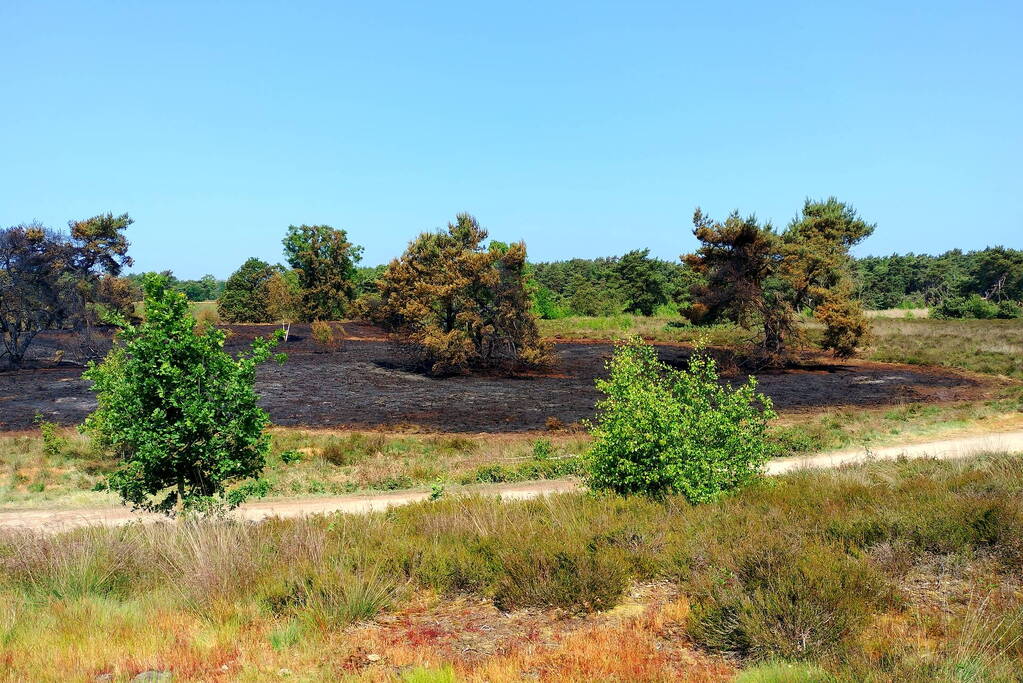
point(894, 571)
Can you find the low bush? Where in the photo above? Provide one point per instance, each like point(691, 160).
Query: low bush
point(973, 306)
point(1009, 310)
point(793, 600)
point(588, 579)
point(660, 430)
point(323, 335)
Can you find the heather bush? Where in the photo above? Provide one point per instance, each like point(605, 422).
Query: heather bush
point(787, 599)
point(323, 335)
point(556, 575)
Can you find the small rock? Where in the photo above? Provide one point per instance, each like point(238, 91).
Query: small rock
point(373, 658)
point(153, 677)
point(284, 672)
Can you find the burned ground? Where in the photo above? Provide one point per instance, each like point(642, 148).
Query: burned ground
point(364, 384)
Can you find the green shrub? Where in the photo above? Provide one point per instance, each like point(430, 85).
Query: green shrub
point(973, 306)
point(1009, 310)
point(331, 595)
point(53, 443)
point(323, 335)
point(543, 449)
point(492, 474)
point(396, 482)
point(661, 430)
point(290, 457)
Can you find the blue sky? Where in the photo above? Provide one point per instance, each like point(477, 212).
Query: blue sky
point(586, 128)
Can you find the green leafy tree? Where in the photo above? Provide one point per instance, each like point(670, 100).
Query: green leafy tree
point(179, 412)
point(664, 431)
point(246, 296)
point(284, 299)
point(325, 262)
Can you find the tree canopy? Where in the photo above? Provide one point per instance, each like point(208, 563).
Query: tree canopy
point(760, 278)
point(325, 262)
point(459, 304)
point(178, 411)
point(246, 296)
point(52, 280)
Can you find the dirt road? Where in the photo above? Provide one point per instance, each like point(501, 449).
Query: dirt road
point(61, 520)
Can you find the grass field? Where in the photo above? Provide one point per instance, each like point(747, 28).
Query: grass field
point(67, 471)
point(984, 346)
point(893, 571)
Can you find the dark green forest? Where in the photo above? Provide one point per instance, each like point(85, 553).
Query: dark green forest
point(637, 283)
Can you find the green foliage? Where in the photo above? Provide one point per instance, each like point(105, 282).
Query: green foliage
point(545, 304)
point(53, 443)
point(661, 431)
point(643, 282)
point(284, 296)
point(796, 574)
point(246, 294)
point(1009, 310)
point(179, 413)
point(976, 307)
point(587, 579)
point(325, 262)
point(609, 286)
point(760, 279)
point(290, 457)
point(888, 281)
point(741, 262)
point(445, 674)
point(784, 672)
point(323, 335)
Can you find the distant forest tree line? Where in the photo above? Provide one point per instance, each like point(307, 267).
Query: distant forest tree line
point(639, 283)
point(463, 300)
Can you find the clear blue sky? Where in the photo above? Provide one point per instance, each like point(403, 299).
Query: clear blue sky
point(584, 128)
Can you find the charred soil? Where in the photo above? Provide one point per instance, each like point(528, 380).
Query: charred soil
point(366, 384)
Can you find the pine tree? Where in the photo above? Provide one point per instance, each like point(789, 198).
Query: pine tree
point(460, 305)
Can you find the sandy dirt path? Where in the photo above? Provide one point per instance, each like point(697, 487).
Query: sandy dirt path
point(61, 520)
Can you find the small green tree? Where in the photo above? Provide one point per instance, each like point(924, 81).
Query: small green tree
point(642, 281)
point(660, 430)
point(325, 262)
point(177, 410)
point(246, 297)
